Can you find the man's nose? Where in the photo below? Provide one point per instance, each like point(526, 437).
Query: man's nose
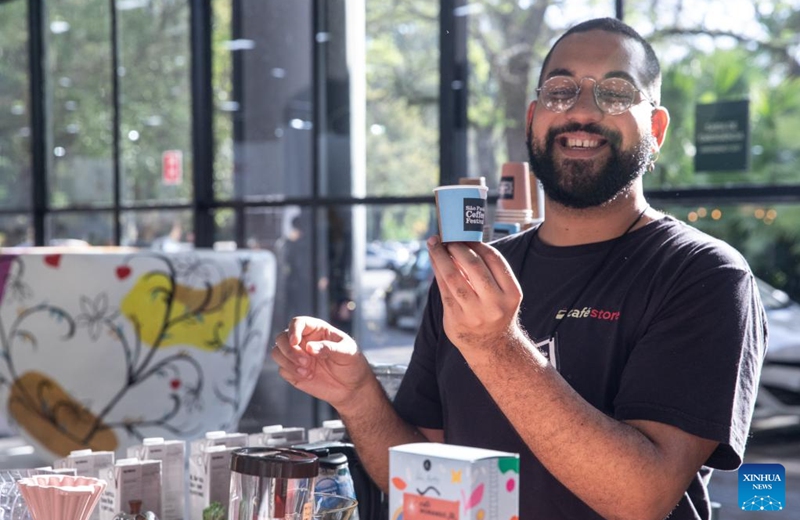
point(585, 106)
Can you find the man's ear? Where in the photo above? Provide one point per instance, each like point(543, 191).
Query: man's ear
point(659, 120)
point(529, 119)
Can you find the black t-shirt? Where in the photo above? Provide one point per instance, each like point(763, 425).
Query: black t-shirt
point(662, 324)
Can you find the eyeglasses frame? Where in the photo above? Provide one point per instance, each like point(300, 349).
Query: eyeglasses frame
point(579, 84)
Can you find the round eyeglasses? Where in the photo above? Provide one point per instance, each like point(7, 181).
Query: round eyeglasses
point(613, 96)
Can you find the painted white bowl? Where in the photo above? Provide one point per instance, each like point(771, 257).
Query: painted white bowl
point(102, 347)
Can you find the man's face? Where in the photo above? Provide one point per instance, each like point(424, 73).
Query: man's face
point(584, 157)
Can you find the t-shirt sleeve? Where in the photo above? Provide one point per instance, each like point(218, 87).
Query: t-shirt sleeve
point(697, 364)
point(417, 400)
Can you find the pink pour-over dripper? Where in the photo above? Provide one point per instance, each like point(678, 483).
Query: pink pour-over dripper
point(61, 497)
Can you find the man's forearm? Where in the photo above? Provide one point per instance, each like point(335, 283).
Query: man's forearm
point(374, 427)
point(614, 467)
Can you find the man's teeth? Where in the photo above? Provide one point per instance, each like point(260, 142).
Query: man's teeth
point(583, 143)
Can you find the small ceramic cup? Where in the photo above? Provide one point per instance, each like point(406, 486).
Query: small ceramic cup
point(462, 212)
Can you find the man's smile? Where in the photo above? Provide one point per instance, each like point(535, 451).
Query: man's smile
point(581, 145)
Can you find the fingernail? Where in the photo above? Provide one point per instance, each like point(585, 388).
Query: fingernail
point(303, 361)
point(302, 371)
point(433, 240)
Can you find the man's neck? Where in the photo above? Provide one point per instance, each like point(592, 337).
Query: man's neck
point(565, 226)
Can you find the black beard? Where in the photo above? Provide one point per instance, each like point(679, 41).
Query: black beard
point(573, 184)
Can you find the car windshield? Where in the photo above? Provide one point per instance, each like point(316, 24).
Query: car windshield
point(771, 297)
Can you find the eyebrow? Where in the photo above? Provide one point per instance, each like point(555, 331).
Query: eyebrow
point(613, 74)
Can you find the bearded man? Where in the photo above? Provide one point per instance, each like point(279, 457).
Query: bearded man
point(614, 348)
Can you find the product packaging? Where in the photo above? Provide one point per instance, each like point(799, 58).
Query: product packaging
point(432, 481)
point(210, 470)
point(134, 486)
point(332, 430)
point(87, 463)
point(172, 455)
point(276, 436)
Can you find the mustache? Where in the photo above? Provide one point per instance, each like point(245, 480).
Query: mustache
point(613, 137)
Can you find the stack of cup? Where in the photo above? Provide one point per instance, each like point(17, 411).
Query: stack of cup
point(514, 210)
point(472, 181)
point(537, 199)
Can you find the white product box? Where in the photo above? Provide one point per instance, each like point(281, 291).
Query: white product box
point(430, 481)
point(276, 436)
point(133, 486)
point(209, 469)
point(218, 438)
point(87, 463)
point(209, 478)
point(172, 455)
point(332, 430)
point(49, 470)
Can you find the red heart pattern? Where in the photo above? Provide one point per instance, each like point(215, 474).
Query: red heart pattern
point(52, 260)
point(123, 272)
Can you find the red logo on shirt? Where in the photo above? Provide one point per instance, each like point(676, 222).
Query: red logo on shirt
point(588, 312)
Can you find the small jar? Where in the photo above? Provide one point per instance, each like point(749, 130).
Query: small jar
point(272, 483)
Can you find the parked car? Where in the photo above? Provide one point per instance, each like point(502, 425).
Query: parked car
point(778, 402)
point(408, 292)
point(386, 255)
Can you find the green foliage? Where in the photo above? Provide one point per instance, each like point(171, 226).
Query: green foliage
point(215, 511)
point(15, 160)
point(402, 112)
point(222, 83)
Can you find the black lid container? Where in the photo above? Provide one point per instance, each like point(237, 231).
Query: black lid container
point(275, 481)
point(274, 462)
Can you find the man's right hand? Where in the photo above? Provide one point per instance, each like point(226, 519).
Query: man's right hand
point(322, 361)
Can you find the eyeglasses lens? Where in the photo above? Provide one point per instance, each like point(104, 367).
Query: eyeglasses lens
point(559, 93)
point(612, 95)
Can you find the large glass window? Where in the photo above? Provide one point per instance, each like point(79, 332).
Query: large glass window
point(15, 123)
point(263, 98)
point(158, 229)
point(80, 229)
point(15, 230)
point(80, 116)
point(751, 52)
point(766, 234)
point(287, 231)
point(155, 101)
point(394, 278)
point(402, 97)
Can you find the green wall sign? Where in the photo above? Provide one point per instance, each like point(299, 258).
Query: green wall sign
point(722, 136)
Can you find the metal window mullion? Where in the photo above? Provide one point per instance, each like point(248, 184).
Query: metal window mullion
point(37, 58)
point(116, 125)
point(202, 122)
point(453, 70)
point(237, 58)
point(318, 164)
